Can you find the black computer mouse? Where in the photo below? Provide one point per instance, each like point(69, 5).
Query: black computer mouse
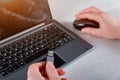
point(82, 23)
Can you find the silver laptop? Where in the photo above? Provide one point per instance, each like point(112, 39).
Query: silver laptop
point(20, 47)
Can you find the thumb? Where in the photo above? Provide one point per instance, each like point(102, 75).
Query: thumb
point(91, 31)
point(34, 71)
point(52, 72)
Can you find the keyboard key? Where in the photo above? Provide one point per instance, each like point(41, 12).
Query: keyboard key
point(3, 73)
point(10, 52)
point(21, 63)
point(16, 54)
point(22, 56)
point(1, 62)
point(10, 69)
point(5, 55)
point(15, 66)
point(27, 54)
point(11, 62)
point(21, 52)
point(16, 59)
point(10, 57)
point(3, 66)
point(1, 57)
point(4, 60)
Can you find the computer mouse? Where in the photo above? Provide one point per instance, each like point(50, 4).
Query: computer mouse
point(82, 23)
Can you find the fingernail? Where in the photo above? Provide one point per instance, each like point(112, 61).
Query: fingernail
point(50, 64)
point(83, 30)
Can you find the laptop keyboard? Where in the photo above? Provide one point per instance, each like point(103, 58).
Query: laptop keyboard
point(17, 54)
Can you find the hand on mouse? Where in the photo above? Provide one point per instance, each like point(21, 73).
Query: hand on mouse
point(36, 70)
point(109, 26)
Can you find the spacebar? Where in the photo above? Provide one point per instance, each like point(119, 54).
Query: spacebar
point(36, 55)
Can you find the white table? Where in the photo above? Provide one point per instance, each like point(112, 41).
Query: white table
point(102, 63)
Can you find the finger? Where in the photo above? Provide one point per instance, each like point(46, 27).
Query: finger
point(90, 15)
point(36, 66)
point(64, 79)
point(52, 72)
point(34, 70)
point(60, 79)
point(60, 72)
point(91, 9)
point(40, 65)
point(91, 31)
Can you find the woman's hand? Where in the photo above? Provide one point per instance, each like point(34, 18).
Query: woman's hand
point(109, 26)
point(36, 72)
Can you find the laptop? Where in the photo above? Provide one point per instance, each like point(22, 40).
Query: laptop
point(24, 46)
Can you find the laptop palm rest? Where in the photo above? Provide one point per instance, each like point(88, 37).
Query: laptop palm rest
point(73, 50)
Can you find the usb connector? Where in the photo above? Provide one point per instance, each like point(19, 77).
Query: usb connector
point(50, 57)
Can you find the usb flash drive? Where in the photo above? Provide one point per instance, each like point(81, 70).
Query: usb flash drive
point(49, 58)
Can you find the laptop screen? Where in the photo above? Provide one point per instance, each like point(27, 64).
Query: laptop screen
point(19, 15)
